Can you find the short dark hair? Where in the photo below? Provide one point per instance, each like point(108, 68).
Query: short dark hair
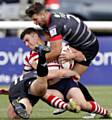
point(29, 31)
point(35, 8)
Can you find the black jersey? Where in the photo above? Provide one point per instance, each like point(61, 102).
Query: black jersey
point(70, 29)
point(19, 88)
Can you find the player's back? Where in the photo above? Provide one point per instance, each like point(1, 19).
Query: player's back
point(72, 29)
point(19, 86)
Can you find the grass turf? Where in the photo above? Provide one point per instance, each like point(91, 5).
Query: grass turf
point(102, 94)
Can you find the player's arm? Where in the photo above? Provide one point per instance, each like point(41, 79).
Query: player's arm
point(55, 50)
point(55, 42)
point(62, 73)
point(77, 55)
point(72, 54)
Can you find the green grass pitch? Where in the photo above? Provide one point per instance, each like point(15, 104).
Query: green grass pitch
point(102, 94)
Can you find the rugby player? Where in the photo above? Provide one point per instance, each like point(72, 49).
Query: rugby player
point(39, 86)
point(60, 26)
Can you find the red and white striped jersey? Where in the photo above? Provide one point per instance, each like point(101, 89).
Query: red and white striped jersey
point(30, 57)
point(34, 56)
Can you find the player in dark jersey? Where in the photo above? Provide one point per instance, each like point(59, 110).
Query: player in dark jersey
point(69, 28)
point(19, 88)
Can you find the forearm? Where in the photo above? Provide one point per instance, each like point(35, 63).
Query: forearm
point(55, 50)
point(52, 55)
point(70, 73)
point(62, 73)
point(77, 55)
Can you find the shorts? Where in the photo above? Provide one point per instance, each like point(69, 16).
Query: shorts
point(20, 90)
point(89, 53)
point(64, 85)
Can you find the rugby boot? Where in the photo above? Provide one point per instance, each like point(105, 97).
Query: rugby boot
point(89, 116)
point(42, 49)
point(58, 111)
point(20, 110)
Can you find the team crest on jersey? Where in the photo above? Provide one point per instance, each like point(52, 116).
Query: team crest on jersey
point(53, 31)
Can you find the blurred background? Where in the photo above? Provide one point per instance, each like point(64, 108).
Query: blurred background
point(97, 14)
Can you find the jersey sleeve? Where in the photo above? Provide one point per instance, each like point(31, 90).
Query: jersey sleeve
point(55, 32)
point(29, 59)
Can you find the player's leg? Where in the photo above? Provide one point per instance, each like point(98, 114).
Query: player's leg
point(88, 97)
point(27, 105)
point(80, 68)
point(39, 86)
point(53, 98)
point(88, 106)
point(57, 110)
point(11, 113)
point(19, 109)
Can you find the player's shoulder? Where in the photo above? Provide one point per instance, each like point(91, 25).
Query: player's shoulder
point(58, 15)
point(31, 54)
point(29, 58)
point(56, 18)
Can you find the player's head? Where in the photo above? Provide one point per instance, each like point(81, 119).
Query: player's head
point(37, 13)
point(31, 37)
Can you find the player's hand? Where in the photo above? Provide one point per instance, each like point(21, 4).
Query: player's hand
point(65, 57)
point(79, 57)
point(68, 55)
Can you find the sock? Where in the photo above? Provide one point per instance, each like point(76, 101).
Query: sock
point(96, 108)
point(57, 102)
point(42, 69)
point(4, 92)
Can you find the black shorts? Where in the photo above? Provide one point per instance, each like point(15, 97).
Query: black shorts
point(20, 90)
point(64, 86)
point(89, 53)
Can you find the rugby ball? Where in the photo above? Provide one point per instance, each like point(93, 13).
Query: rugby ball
point(69, 64)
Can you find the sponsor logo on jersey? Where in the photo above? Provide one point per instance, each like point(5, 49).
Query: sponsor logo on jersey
point(53, 31)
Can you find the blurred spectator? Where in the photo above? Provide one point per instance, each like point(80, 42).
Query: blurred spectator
point(2, 33)
point(11, 1)
point(52, 4)
point(11, 32)
point(41, 1)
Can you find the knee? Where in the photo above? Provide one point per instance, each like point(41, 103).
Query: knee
point(41, 90)
point(38, 88)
